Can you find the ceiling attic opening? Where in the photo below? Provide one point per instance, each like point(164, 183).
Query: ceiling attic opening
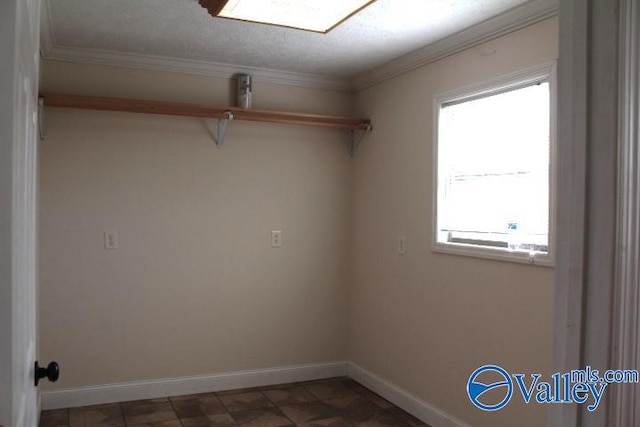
point(320, 16)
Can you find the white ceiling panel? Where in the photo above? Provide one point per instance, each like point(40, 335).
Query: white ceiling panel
point(182, 29)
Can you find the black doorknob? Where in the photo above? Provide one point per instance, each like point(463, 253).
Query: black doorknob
point(51, 372)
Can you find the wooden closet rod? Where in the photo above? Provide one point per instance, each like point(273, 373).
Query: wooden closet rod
point(204, 111)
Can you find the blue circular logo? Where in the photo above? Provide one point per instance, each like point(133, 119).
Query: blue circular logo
point(476, 388)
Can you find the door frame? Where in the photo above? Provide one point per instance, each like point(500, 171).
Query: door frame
point(597, 295)
point(571, 195)
point(626, 355)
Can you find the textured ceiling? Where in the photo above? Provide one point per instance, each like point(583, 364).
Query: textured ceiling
point(182, 29)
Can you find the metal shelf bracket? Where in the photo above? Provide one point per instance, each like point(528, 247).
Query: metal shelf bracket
point(222, 127)
point(356, 139)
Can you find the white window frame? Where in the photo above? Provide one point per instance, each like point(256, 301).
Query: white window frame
point(542, 73)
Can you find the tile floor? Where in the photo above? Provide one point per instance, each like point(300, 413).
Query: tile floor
point(336, 402)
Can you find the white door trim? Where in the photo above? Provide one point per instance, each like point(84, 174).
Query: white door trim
point(624, 408)
point(588, 125)
point(571, 197)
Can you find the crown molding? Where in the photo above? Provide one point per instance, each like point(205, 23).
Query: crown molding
point(47, 39)
point(191, 66)
point(512, 20)
point(529, 13)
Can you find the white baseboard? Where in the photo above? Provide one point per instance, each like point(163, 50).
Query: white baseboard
point(403, 399)
point(138, 390)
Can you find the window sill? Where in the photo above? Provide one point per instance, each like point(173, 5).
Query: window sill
point(496, 254)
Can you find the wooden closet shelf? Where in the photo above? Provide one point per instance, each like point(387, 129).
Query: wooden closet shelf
point(204, 111)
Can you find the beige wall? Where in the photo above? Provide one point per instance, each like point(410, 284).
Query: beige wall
point(426, 321)
point(195, 287)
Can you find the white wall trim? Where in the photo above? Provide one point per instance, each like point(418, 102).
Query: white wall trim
point(137, 390)
point(192, 66)
point(513, 20)
point(403, 399)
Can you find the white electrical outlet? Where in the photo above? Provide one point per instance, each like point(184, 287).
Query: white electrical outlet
point(276, 238)
point(111, 239)
point(401, 245)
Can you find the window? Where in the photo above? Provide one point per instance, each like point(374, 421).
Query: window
point(494, 174)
